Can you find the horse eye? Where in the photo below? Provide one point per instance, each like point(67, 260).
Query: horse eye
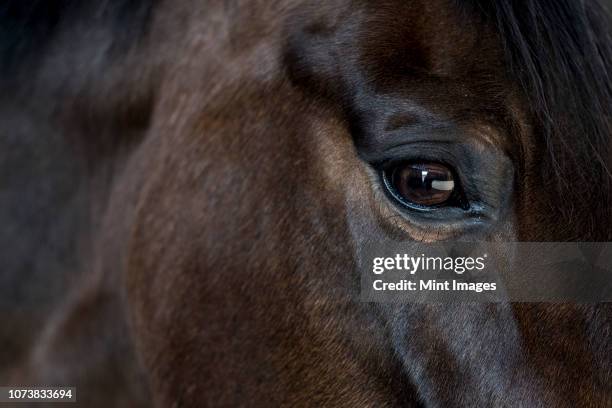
point(421, 184)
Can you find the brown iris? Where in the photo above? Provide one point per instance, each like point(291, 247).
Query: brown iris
point(425, 184)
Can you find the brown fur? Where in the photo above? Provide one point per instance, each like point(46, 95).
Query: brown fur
point(227, 190)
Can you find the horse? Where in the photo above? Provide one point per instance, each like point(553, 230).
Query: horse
point(186, 187)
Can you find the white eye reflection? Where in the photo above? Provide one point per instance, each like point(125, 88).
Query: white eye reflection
point(443, 185)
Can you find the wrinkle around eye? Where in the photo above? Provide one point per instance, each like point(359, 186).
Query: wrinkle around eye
point(423, 227)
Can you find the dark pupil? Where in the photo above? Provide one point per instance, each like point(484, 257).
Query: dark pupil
point(425, 184)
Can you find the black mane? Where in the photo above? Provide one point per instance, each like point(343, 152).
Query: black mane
point(560, 51)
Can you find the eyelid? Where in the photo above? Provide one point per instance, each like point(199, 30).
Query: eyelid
point(461, 158)
point(485, 175)
point(458, 198)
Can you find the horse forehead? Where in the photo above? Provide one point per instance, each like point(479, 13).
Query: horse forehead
point(432, 36)
point(430, 52)
point(390, 64)
point(435, 37)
